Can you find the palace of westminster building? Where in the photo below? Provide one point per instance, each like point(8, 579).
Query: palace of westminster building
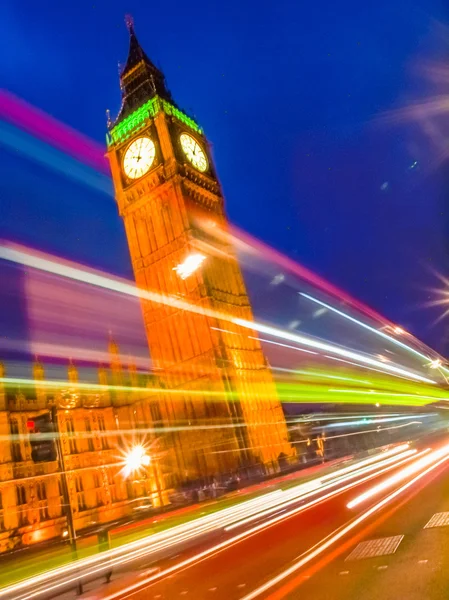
point(210, 363)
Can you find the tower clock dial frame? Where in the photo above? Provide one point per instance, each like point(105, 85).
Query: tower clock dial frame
point(139, 157)
point(194, 152)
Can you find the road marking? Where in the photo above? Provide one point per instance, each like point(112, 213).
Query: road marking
point(377, 547)
point(330, 540)
point(344, 573)
point(241, 585)
point(212, 589)
point(438, 520)
point(382, 567)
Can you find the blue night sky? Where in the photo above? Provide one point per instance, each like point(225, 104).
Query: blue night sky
point(291, 95)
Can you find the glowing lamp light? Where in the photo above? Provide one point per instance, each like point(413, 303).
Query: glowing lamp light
point(435, 364)
point(189, 265)
point(398, 330)
point(135, 459)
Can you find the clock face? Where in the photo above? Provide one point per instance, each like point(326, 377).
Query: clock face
point(139, 157)
point(193, 151)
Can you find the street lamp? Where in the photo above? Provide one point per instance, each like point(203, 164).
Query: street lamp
point(135, 459)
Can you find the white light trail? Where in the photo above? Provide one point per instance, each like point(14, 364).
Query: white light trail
point(67, 270)
point(320, 485)
point(329, 541)
point(201, 556)
point(60, 577)
point(404, 473)
point(350, 362)
point(299, 339)
point(375, 420)
point(282, 345)
point(378, 332)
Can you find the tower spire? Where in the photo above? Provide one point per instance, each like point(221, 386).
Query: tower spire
point(129, 22)
point(140, 79)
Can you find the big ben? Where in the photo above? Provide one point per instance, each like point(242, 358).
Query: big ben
point(220, 404)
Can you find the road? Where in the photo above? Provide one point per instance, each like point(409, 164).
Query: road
point(255, 566)
point(417, 569)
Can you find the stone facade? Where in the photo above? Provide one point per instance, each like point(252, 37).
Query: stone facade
point(97, 424)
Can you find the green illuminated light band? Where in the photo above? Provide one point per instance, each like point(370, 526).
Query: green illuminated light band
point(169, 109)
point(139, 117)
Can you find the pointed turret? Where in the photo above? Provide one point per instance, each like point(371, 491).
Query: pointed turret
point(39, 377)
point(2, 387)
point(38, 370)
point(102, 375)
point(140, 79)
point(114, 355)
point(72, 373)
point(132, 369)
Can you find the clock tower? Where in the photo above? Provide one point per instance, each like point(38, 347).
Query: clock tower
point(220, 405)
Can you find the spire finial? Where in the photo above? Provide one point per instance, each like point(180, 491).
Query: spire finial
point(129, 22)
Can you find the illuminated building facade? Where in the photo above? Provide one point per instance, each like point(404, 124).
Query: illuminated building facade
point(215, 402)
point(171, 202)
point(94, 422)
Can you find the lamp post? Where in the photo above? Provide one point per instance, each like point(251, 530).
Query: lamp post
point(65, 491)
point(135, 459)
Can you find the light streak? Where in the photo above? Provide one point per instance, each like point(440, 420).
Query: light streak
point(252, 246)
point(299, 339)
point(386, 393)
point(335, 417)
point(379, 429)
point(368, 327)
point(63, 576)
point(368, 461)
point(282, 345)
point(37, 123)
point(319, 486)
point(98, 387)
point(398, 477)
point(328, 376)
point(48, 129)
point(28, 146)
point(326, 543)
point(201, 556)
point(375, 420)
point(65, 269)
point(285, 394)
point(349, 362)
